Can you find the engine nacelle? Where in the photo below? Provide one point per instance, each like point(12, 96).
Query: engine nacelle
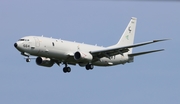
point(42, 61)
point(83, 56)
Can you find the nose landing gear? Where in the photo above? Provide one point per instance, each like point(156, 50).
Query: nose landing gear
point(27, 55)
point(28, 59)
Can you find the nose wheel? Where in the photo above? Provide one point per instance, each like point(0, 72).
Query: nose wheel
point(28, 59)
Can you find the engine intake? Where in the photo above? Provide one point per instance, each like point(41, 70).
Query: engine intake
point(42, 61)
point(83, 56)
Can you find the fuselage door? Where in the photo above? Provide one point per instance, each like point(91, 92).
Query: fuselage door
point(35, 46)
point(37, 42)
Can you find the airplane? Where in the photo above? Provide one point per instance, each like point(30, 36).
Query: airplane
point(50, 51)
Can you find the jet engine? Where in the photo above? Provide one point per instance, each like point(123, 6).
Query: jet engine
point(42, 61)
point(83, 56)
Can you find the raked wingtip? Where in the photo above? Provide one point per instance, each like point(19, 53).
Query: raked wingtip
point(160, 40)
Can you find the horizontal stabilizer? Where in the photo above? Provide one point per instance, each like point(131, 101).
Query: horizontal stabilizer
point(142, 53)
point(145, 43)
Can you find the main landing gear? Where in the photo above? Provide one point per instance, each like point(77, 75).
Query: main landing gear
point(89, 67)
point(66, 69)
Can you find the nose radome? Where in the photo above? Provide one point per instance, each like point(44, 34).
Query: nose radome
point(15, 45)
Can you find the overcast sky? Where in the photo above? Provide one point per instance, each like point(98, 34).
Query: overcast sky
point(151, 79)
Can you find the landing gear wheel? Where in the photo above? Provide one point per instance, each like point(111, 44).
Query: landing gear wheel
point(66, 69)
point(89, 67)
point(28, 60)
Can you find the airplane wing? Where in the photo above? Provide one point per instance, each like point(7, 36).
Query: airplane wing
point(119, 50)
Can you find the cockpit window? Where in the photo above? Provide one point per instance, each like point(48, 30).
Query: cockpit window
point(23, 39)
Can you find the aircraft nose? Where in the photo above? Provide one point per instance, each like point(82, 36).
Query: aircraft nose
point(15, 45)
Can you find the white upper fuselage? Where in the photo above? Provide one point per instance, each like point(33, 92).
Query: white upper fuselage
point(63, 51)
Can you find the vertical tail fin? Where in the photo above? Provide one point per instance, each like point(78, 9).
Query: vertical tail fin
point(128, 36)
